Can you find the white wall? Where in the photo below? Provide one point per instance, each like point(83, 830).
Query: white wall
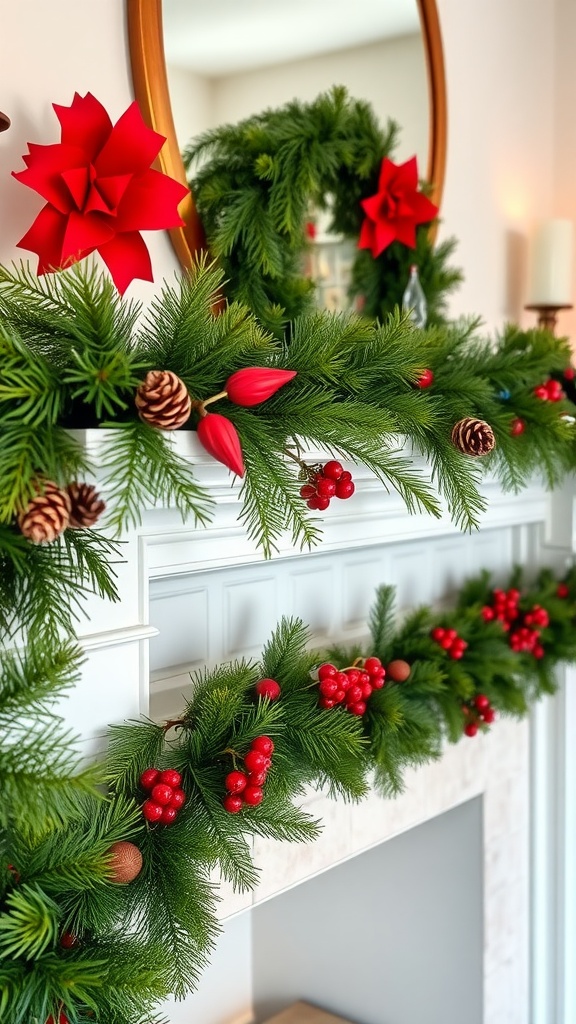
point(565, 132)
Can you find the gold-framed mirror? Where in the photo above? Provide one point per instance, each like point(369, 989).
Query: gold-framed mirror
point(152, 91)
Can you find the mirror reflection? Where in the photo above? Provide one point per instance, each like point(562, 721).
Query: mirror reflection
point(229, 59)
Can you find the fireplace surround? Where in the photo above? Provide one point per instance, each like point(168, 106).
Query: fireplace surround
point(193, 596)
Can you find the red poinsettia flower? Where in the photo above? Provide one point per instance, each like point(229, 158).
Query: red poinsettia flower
point(100, 191)
point(393, 213)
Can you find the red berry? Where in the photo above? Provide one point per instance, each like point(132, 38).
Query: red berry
point(541, 392)
point(68, 940)
point(151, 811)
point(327, 670)
point(307, 491)
point(253, 795)
point(345, 489)
point(513, 595)
point(264, 744)
point(342, 680)
point(254, 761)
point(235, 782)
point(367, 690)
point(358, 708)
point(354, 694)
point(372, 666)
point(353, 675)
point(345, 476)
point(456, 653)
point(562, 590)
point(470, 729)
point(569, 373)
point(257, 778)
point(489, 715)
point(446, 642)
point(451, 634)
point(482, 702)
point(378, 682)
point(178, 799)
point(425, 379)
point(333, 470)
point(162, 794)
point(517, 426)
point(538, 651)
point(232, 803)
point(326, 487)
point(319, 503)
point(438, 633)
point(268, 688)
point(149, 778)
point(171, 778)
point(326, 702)
point(328, 687)
point(365, 677)
point(169, 815)
point(339, 696)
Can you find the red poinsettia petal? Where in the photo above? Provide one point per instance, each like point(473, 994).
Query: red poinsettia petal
point(77, 181)
point(84, 233)
point(85, 124)
point(424, 209)
point(406, 175)
point(113, 188)
point(405, 231)
point(384, 234)
point(127, 257)
point(373, 206)
point(151, 202)
point(44, 172)
point(45, 238)
point(366, 237)
point(387, 172)
point(131, 146)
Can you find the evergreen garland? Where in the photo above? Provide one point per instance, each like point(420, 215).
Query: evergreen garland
point(75, 354)
point(257, 182)
point(73, 940)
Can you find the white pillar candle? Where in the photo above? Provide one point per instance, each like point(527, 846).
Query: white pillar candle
point(551, 264)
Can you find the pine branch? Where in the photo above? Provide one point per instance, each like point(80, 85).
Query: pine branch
point(140, 467)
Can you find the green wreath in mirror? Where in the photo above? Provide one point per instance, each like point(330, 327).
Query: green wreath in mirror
point(258, 183)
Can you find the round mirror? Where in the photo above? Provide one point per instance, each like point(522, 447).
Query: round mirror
point(196, 65)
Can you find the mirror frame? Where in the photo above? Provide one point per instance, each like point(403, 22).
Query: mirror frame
point(146, 44)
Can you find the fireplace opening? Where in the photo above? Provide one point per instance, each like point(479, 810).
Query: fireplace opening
point(391, 936)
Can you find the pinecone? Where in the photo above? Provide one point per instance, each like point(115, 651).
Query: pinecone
point(87, 505)
point(47, 515)
point(163, 401)
point(473, 437)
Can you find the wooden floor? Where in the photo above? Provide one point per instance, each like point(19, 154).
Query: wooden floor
point(304, 1013)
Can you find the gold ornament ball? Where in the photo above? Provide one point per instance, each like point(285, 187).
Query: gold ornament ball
point(125, 862)
point(398, 670)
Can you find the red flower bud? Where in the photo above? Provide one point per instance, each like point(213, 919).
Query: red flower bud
point(220, 438)
point(256, 383)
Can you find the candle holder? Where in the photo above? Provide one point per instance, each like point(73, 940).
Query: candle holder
point(547, 314)
point(4, 122)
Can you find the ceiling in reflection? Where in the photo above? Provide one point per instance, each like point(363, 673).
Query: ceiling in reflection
point(217, 37)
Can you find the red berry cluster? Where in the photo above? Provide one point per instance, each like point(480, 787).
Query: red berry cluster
point(549, 391)
point(327, 482)
point(166, 797)
point(505, 609)
point(449, 640)
point(477, 712)
point(350, 686)
point(247, 787)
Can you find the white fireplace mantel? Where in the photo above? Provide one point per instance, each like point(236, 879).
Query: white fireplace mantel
point(200, 595)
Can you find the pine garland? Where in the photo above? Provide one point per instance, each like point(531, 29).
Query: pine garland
point(257, 183)
point(76, 353)
point(74, 941)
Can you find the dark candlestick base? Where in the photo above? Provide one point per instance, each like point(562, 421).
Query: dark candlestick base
point(548, 315)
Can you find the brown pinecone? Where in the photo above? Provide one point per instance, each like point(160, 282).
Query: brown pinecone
point(87, 505)
point(473, 437)
point(163, 401)
point(47, 515)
